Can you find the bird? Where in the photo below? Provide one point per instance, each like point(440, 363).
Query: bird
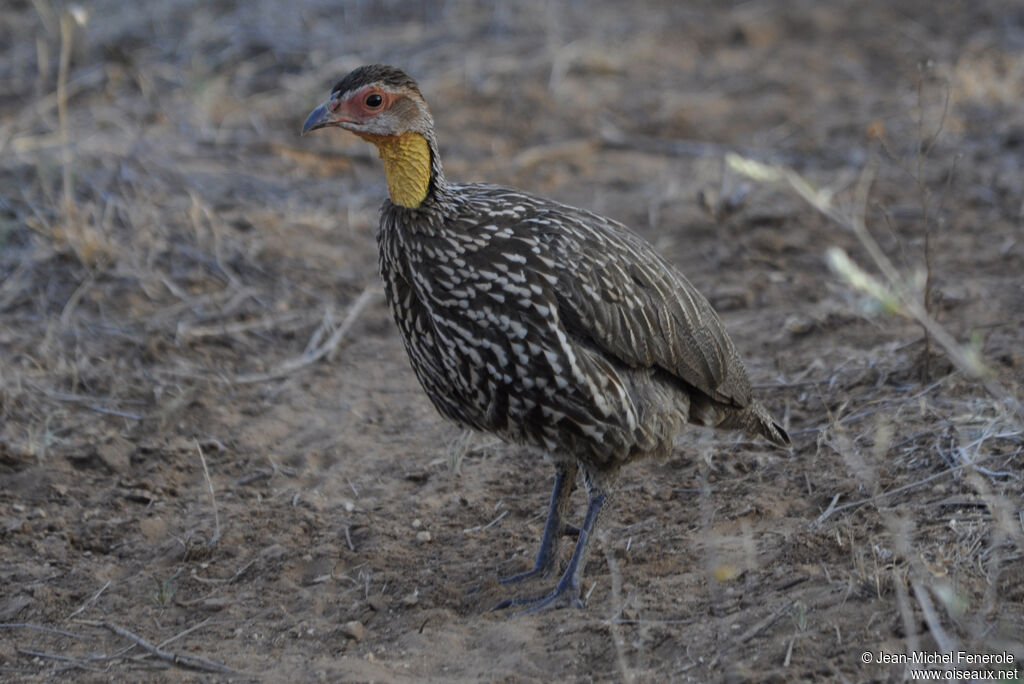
point(544, 324)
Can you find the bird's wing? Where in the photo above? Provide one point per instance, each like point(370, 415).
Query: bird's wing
point(615, 291)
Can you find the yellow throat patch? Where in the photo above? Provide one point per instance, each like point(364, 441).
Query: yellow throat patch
point(406, 165)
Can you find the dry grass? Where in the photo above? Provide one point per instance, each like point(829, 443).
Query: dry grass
point(209, 436)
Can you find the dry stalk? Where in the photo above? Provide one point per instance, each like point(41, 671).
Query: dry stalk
point(90, 601)
point(925, 145)
point(931, 618)
point(893, 290)
point(616, 609)
point(906, 613)
point(39, 628)
point(66, 29)
point(213, 497)
point(186, 661)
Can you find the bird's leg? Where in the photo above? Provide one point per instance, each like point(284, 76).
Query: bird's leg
point(547, 556)
point(568, 588)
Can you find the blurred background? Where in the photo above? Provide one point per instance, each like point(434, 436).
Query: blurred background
point(208, 424)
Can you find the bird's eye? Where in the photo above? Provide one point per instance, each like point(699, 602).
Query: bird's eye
point(373, 100)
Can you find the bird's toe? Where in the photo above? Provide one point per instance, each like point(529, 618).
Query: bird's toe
point(561, 597)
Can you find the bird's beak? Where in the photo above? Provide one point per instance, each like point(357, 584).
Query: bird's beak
point(318, 118)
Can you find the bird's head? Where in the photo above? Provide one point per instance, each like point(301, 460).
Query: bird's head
point(381, 104)
point(374, 101)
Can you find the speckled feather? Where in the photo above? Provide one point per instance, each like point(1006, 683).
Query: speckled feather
point(539, 322)
point(556, 327)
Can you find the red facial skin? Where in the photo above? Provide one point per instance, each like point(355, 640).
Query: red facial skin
point(355, 109)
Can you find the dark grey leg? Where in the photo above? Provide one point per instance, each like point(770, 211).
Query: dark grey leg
point(568, 588)
point(547, 557)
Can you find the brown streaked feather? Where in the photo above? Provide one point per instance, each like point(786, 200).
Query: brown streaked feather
point(610, 319)
point(649, 315)
point(618, 293)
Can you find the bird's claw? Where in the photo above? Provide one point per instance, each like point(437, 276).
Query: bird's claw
point(537, 571)
point(561, 596)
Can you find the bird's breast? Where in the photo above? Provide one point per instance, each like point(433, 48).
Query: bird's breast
point(480, 322)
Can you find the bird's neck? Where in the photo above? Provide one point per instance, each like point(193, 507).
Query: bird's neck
point(410, 164)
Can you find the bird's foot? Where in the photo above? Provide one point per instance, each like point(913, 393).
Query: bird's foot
point(538, 571)
point(542, 568)
point(563, 595)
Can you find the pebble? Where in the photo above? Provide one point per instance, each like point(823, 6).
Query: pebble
point(423, 537)
point(354, 630)
point(798, 324)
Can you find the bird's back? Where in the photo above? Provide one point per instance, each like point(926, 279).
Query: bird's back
point(553, 326)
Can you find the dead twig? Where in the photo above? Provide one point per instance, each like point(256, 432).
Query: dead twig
point(185, 661)
point(83, 400)
point(894, 290)
point(228, 580)
point(287, 321)
point(765, 623)
point(754, 630)
point(184, 632)
point(828, 511)
point(39, 628)
point(77, 662)
point(882, 495)
point(255, 477)
point(90, 601)
point(315, 354)
point(479, 528)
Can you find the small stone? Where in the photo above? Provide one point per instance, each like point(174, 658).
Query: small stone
point(217, 603)
point(410, 600)
point(377, 603)
point(799, 324)
point(726, 572)
point(417, 524)
point(153, 529)
point(423, 537)
point(354, 630)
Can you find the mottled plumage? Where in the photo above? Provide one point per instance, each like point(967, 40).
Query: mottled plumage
point(552, 326)
point(545, 324)
point(374, 73)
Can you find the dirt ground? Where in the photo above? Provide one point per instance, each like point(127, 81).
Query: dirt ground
point(217, 465)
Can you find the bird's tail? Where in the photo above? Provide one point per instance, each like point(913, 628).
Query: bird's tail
point(756, 420)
